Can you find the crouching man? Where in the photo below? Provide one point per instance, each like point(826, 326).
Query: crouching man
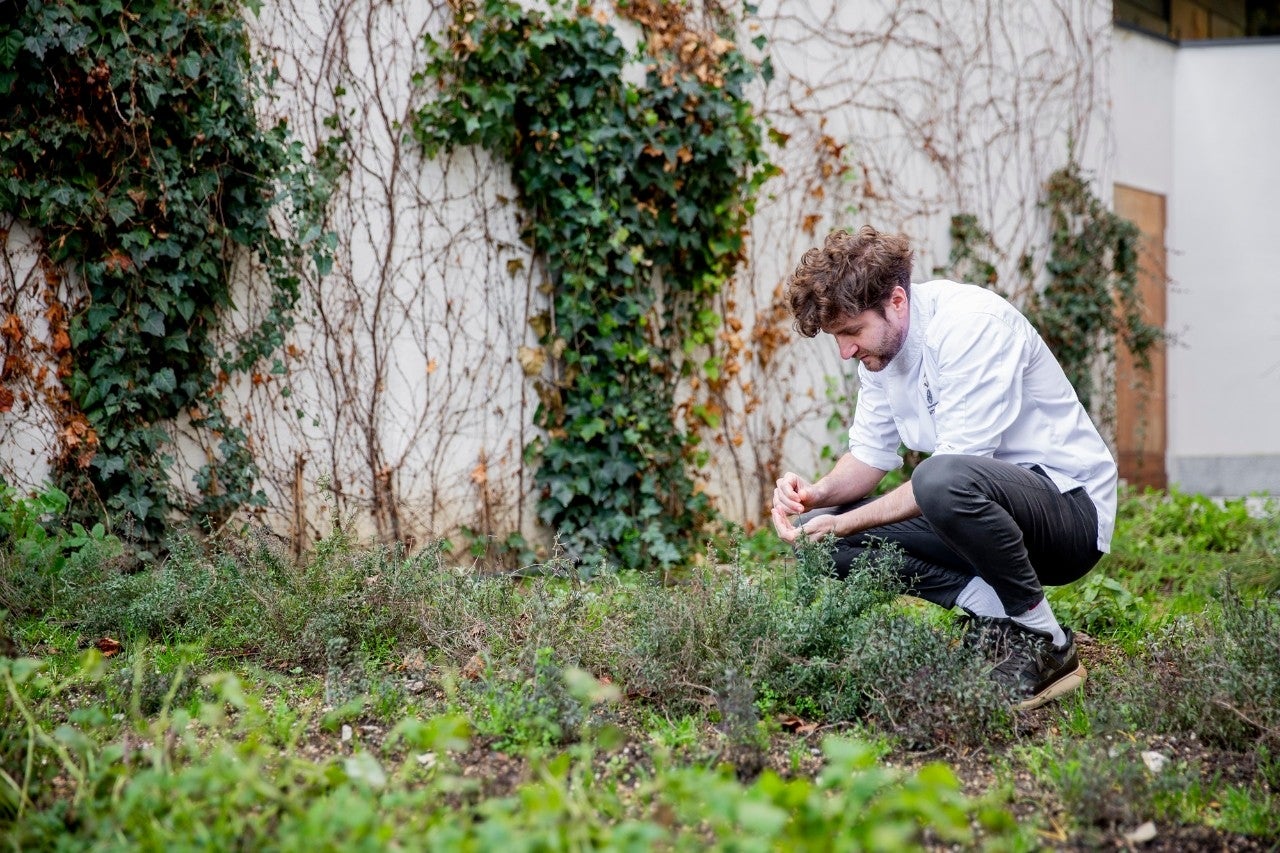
point(1020, 490)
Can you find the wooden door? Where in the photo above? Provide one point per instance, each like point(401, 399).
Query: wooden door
point(1141, 402)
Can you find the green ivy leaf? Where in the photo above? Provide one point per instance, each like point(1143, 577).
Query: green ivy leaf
point(158, 281)
point(10, 46)
point(165, 381)
point(189, 65)
point(150, 321)
point(618, 186)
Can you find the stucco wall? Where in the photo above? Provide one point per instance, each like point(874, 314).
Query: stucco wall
point(408, 398)
point(1199, 123)
point(1142, 84)
point(1224, 409)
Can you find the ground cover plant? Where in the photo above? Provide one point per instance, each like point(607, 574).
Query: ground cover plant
point(370, 696)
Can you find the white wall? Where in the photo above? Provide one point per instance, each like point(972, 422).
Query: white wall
point(29, 429)
point(1142, 73)
point(1224, 236)
point(407, 394)
point(1199, 123)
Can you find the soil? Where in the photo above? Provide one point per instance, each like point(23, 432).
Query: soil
point(790, 754)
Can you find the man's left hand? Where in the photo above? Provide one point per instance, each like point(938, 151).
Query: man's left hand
point(814, 528)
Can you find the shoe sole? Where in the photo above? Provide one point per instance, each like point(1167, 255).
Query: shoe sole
point(1062, 686)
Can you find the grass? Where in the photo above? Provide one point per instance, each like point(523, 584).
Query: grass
point(369, 696)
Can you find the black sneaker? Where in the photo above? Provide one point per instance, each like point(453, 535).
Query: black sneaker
point(986, 634)
point(1029, 667)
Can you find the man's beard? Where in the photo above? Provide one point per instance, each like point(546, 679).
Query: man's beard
point(886, 350)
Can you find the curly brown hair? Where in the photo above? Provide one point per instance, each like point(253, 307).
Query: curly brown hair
point(848, 275)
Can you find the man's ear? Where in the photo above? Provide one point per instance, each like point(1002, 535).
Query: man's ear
point(898, 299)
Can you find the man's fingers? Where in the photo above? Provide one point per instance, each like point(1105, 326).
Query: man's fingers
point(787, 505)
point(787, 531)
point(789, 495)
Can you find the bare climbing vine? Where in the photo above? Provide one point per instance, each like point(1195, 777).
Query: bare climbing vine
point(407, 384)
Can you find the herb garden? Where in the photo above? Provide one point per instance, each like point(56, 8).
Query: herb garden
point(174, 674)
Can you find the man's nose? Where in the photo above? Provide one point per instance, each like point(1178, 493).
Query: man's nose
point(847, 348)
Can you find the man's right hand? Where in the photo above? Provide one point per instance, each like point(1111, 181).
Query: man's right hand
point(793, 494)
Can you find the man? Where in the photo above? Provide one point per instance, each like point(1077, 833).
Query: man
point(1020, 490)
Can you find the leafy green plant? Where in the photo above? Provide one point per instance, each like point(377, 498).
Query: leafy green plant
point(1250, 810)
point(637, 199)
point(675, 735)
point(139, 748)
point(208, 772)
point(1172, 549)
point(534, 710)
point(25, 526)
point(1178, 522)
point(129, 139)
point(854, 805)
point(1101, 606)
point(38, 552)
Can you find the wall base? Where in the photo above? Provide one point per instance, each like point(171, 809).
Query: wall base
point(1226, 476)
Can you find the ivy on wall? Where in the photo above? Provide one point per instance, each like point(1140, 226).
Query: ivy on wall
point(1090, 298)
point(637, 198)
point(129, 139)
point(970, 259)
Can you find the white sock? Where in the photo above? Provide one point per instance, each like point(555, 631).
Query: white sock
point(1040, 618)
point(981, 600)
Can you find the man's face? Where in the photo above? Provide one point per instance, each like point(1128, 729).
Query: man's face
point(872, 338)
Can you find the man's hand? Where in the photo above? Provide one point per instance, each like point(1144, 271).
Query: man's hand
point(793, 494)
point(814, 528)
point(851, 480)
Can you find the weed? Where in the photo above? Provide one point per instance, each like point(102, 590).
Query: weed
point(283, 724)
point(1178, 522)
point(1249, 810)
point(36, 549)
point(1102, 607)
point(673, 735)
point(28, 526)
point(1101, 786)
point(529, 708)
point(1074, 716)
point(1170, 549)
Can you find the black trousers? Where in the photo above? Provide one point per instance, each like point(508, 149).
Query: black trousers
point(1006, 524)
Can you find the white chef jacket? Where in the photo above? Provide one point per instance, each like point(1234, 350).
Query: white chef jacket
point(974, 377)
